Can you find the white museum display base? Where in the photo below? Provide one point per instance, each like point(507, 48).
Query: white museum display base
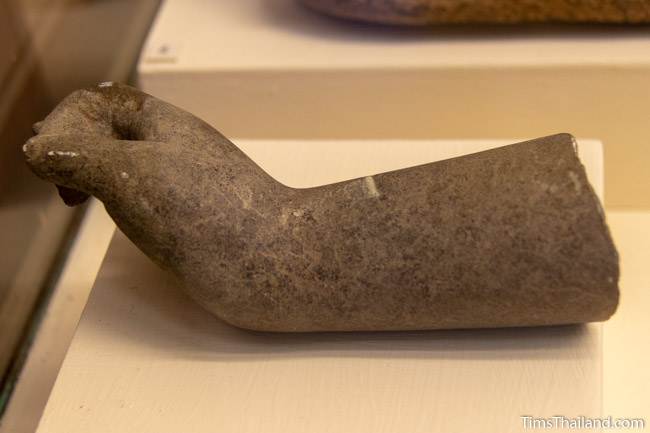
point(147, 359)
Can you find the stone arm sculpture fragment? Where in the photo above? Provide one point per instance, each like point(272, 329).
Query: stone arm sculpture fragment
point(513, 236)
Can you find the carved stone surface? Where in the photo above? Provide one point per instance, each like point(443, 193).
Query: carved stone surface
point(513, 236)
point(421, 12)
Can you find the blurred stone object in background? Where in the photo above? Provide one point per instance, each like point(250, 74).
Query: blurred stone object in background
point(423, 12)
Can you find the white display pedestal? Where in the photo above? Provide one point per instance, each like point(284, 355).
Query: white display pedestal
point(273, 69)
point(146, 359)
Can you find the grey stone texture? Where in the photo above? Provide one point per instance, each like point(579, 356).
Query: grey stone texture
point(513, 236)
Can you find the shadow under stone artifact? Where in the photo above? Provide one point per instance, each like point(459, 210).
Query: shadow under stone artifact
point(423, 12)
point(513, 236)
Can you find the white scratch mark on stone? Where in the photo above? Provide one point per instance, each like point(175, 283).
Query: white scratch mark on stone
point(271, 298)
point(576, 181)
point(284, 217)
point(105, 84)
point(298, 213)
point(371, 187)
point(574, 142)
point(69, 153)
point(245, 197)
